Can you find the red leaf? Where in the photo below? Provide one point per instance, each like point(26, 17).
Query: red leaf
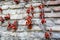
point(16, 1)
point(28, 10)
point(30, 26)
point(1, 10)
point(32, 8)
point(43, 21)
point(7, 17)
point(29, 18)
point(41, 6)
point(15, 23)
point(9, 26)
point(47, 35)
point(28, 22)
point(42, 15)
point(1, 19)
point(14, 27)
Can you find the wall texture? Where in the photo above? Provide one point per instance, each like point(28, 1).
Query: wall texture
point(18, 12)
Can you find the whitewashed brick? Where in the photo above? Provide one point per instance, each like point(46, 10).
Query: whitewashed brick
point(21, 11)
point(58, 1)
point(36, 28)
point(57, 21)
point(50, 23)
point(23, 35)
point(21, 0)
point(24, 11)
point(24, 15)
point(36, 21)
point(12, 11)
point(5, 12)
point(36, 15)
point(37, 9)
point(2, 15)
point(56, 35)
point(8, 3)
point(16, 16)
point(17, 6)
point(9, 11)
point(36, 1)
point(0, 23)
point(29, 34)
point(22, 22)
point(5, 24)
point(33, 4)
point(36, 35)
point(22, 4)
point(47, 9)
point(21, 28)
point(56, 8)
point(52, 2)
point(36, 4)
point(54, 28)
point(52, 15)
point(18, 11)
point(5, 6)
point(28, 5)
point(48, 15)
point(14, 6)
point(6, 33)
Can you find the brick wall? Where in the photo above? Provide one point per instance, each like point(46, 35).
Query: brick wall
point(18, 12)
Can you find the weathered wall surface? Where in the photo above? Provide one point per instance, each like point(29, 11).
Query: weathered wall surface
point(18, 12)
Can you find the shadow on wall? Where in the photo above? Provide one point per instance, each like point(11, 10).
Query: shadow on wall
point(2, 0)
